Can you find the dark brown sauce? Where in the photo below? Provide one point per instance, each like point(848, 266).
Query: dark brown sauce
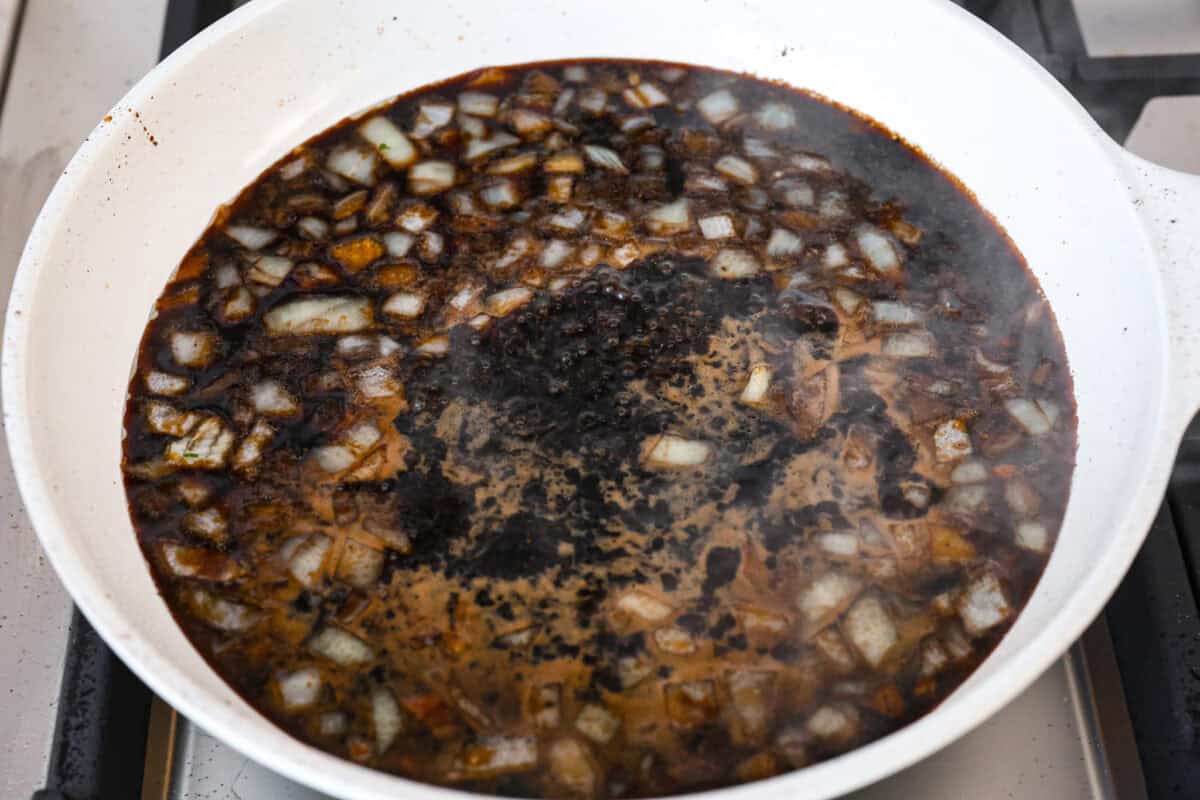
point(478, 554)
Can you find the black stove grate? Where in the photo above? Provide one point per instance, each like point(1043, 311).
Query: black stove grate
point(99, 747)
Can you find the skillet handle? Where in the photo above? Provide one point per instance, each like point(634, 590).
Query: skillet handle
point(1169, 204)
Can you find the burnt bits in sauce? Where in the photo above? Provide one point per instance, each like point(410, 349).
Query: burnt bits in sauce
point(599, 429)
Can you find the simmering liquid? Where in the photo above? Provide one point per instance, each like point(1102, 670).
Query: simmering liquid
point(599, 429)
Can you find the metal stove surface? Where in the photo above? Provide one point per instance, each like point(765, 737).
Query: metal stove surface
point(64, 61)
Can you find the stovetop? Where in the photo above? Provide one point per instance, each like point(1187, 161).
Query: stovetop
point(1117, 717)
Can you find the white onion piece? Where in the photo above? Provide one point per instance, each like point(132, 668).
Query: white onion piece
point(416, 218)
point(478, 148)
point(250, 450)
point(431, 177)
point(668, 451)
point(796, 194)
point(479, 104)
point(397, 244)
point(717, 226)
point(354, 163)
point(165, 418)
point(835, 256)
point(360, 347)
point(207, 524)
point(597, 723)
point(701, 182)
point(669, 219)
point(757, 385)
point(832, 723)
point(775, 117)
point(983, 605)
point(633, 124)
point(554, 253)
point(517, 249)
point(313, 228)
point(603, 157)
point(272, 398)
point(465, 296)
point(651, 158)
point(472, 127)
point(733, 264)
point(757, 148)
point(340, 647)
point(1050, 410)
point(294, 168)
point(994, 367)
point(575, 74)
point(404, 305)
point(191, 562)
point(226, 276)
point(645, 95)
point(332, 723)
point(205, 448)
point(877, 249)
point(299, 689)
point(644, 606)
point(674, 640)
point(783, 243)
point(563, 102)
point(530, 124)
point(250, 237)
point(506, 301)
point(238, 306)
point(434, 346)
point(718, 106)
point(193, 348)
point(908, 345)
point(499, 755)
point(521, 162)
point(390, 141)
point(1029, 415)
point(842, 545)
point(737, 169)
point(834, 206)
point(219, 612)
point(316, 315)
point(811, 163)
point(270, 270)
point(891, 312)
point(972, 471)
point(376, 382)
point(870, 629)
point(305, 563)
point(166, 384)
point(593, 100)
point(1032, 535)
point(431, 117)
point(334, 458)
point(386, 718)
point(847, 300)
point(502, 194)
point(359, 565)
point(570, 219)
point(827, 595)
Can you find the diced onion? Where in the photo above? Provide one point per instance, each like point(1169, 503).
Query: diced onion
point(877, 249)
point(719, 106)
point(193, 348)
point(890, 312)
point(669, 219)
point(513, 165)
point(835, 256)
point(479, 104)
point(842, 545)
point(340, 647)
point(431, 117)
point(385, 717)
point(717, 226)
point(575, 74)
point(597, 723)
point(270, 270)
point(431, 177)
point(354, 163)
point(165, 418)
point(645, 606)
point(250, 237)
point(827, 595)
point(983, 605)
point(645, 95)
point(972, 471)
point(272, 398)
point(205, 448)
point(416, 218)
point(570, 219)
point(674, 640)
point(313, 228)
point(299, 689)
point(593, 100)
point(783, 243)
point(404, 305)
point(316, 315)
point(870, 629)
point(505, 302)
point(1029, 415)
point(675, 452)
point(603, 157)
point(434, 346)
point(502, 194)
point(221, 613)
point(775, 117)
point(554, 253)
point(757, 386)
point(908, 345)
point(733, 264)
point(390, 141)
point(478, 148)
point(165, 384)
point(1032, 535)
point(737, 169)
